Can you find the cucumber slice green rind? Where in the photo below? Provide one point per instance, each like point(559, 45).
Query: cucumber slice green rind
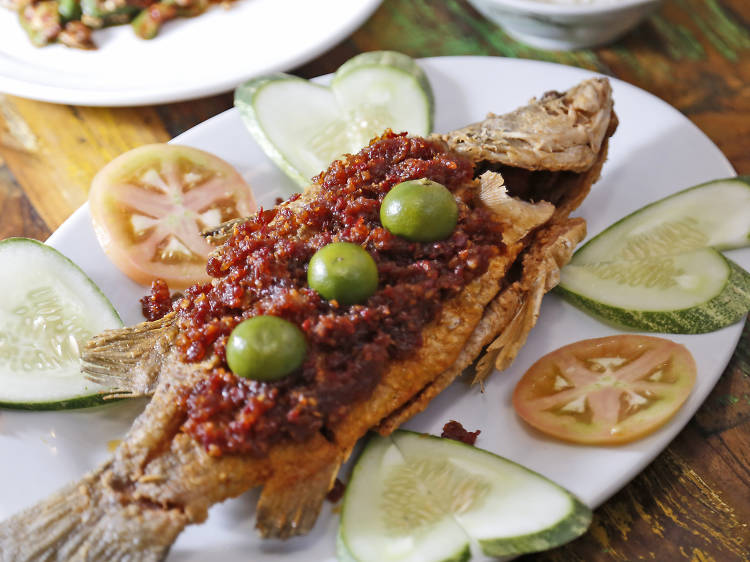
point(727, 307)
point(338, 122)
point(88, 401)
point(386, 58)
point(685, 205)
point(706, 217)
point(493, 512)
point(573, 526)
point(60, 268)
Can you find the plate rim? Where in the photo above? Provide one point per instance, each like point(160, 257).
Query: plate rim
point(88, 97)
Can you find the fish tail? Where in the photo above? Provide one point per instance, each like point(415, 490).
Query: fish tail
point(81, 523)
point(129, 360)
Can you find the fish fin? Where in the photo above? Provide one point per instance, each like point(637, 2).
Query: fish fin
point(84, 522)
point(541, 272)
point(291, 499)
point(523, 218)
point(514, 310)
point(128, 360)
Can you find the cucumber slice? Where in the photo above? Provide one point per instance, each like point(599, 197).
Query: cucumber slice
point(656, 269)
point(48, 309)
point(381, 90)
point(713, 214)
point(415, 497)
point(689, 293)
point(303, 126)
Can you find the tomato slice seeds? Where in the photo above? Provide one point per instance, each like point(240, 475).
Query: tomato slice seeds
point(607, 390)
point(150, 204)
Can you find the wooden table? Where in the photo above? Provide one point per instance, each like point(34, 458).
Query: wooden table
point(693, 501)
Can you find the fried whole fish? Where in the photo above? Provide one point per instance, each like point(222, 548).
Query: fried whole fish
point(206, 435)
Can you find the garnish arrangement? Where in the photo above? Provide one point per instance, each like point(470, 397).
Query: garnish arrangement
point(350, 306)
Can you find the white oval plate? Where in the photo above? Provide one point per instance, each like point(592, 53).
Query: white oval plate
point(190, 58)
point(655, 152)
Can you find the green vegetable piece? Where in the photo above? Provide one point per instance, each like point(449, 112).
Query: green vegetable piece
point(50, 309)
point(99, 13)
point(715, 214)
point(69, 10)
point(146, 24)
point(265, 348)
point(690, 293)
point(191, 8)
point(303, 126)
point(419, 210)
point(41, 21)
point(418, 497)
point(657, 269)
point(343, 272)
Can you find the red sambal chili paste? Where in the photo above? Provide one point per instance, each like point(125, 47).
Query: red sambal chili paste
point(262, 269)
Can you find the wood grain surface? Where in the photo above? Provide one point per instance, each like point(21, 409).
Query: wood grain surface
point(693, 501)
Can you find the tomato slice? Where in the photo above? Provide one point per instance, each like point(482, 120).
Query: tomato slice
point(606, 391)
point(149, 205)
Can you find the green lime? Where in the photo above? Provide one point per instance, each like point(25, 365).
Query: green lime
point(265, 348)
point(343, 272)
point(419, 210)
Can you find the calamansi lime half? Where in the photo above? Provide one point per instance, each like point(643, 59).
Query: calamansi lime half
point(265, 348)
point(343, 272)
point(419, 210)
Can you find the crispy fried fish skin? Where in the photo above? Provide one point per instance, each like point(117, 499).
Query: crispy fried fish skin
point(166, 475)
point(507, 319)
point(560, 131)
point(160, 479)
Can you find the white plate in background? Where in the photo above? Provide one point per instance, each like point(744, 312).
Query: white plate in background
point(189, 58)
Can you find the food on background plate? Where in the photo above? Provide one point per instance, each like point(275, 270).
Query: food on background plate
point(303, 126)
point(658, 269)
point(72, 22)
point(422, 498)
point(606, 391)
point(208, 435)
point(150, 205)
point(48, 311)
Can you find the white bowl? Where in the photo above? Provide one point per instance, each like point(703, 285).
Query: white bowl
point(566, 24)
